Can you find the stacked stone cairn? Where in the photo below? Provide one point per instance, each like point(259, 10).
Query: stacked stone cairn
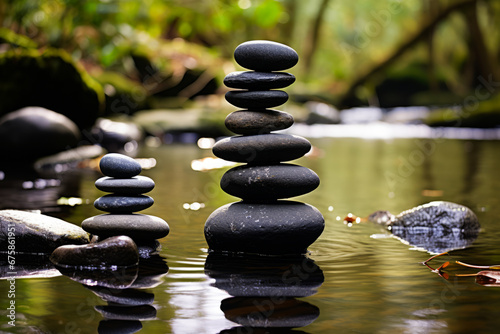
point(263, 223)
point(127, 190)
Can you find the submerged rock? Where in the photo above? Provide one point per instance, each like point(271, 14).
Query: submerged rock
point(114, 251)
point(36, 233)
point(436, 226)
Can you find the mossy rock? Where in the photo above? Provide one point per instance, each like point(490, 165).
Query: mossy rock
point(477, 114)
point(10, 37)
point(49, 79)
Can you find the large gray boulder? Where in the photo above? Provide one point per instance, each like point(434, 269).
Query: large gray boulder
point(34, 233)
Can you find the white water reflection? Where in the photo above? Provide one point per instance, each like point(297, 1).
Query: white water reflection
point(381, 130)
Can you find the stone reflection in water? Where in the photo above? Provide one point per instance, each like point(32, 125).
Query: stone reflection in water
point(264, 290)
point(127, 303)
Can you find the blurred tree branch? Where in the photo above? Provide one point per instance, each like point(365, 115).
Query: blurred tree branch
point(478, 46)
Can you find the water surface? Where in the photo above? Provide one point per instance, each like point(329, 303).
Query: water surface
point(372, 283)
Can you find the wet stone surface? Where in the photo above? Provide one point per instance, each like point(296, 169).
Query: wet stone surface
point(267, 183)
point(132, 186)
point(119, 166)
point(252, 122)
point(123, 204)
point(115, 251)
point(262, 149)
point(136, 226)
point(258, 80)
point(260, 99)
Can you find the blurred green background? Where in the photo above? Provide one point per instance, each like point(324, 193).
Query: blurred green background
point(352, 53)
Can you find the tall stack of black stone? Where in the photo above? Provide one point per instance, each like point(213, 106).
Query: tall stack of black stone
point(263, 223)
point(122, 179)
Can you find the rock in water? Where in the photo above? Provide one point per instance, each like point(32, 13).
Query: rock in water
point(136, 226)
point(436, 226)
point(34, 132)
point(36, 233)
point(279, 228)
point(262, 224)
point(115, 251)
point(119, 166)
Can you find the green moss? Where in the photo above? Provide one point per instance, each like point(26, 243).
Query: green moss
point(10, 37)
point(49, 79)
point(475, 114)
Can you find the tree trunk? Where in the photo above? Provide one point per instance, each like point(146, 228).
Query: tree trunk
point(313, 37)
point(481, 60)
point(408, 44)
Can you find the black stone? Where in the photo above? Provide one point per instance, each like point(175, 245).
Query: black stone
point(284, 227)
point(123, 204)
point(264, 183)
point(262, 149)
point(258, 80)
point(256, 99)
point(269, 312)
point(36, 233)
point(139, 312)
point(252, 122)
point(265, 56)
point(119, 326)
point(115, 251)
point(132, 186)
point(119, 166)
point(136, 226)
point(264, 276)
point(128, 297)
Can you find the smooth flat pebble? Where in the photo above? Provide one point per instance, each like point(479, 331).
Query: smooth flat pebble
point(262, 149)
point(264, 183)
point(123, 204)
point(136, 226)
point(132, 186)
point(258, 80)
point(283, 227)
point(265, 56)
point(115, 251)
point(252, 122)
point(119, 166)
point(256, 99)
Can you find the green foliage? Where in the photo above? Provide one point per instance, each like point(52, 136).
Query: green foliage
point(354, 36)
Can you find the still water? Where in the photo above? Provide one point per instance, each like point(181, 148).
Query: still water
point(355, 279)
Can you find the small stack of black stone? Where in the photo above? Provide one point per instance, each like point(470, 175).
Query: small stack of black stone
point(262, 223)
point(122, 179)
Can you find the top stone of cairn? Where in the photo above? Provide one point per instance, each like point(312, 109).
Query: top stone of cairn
point(265, 56)
point(119, 166)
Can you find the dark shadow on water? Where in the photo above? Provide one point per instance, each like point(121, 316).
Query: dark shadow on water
point(128, 304)
point(265, 291)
